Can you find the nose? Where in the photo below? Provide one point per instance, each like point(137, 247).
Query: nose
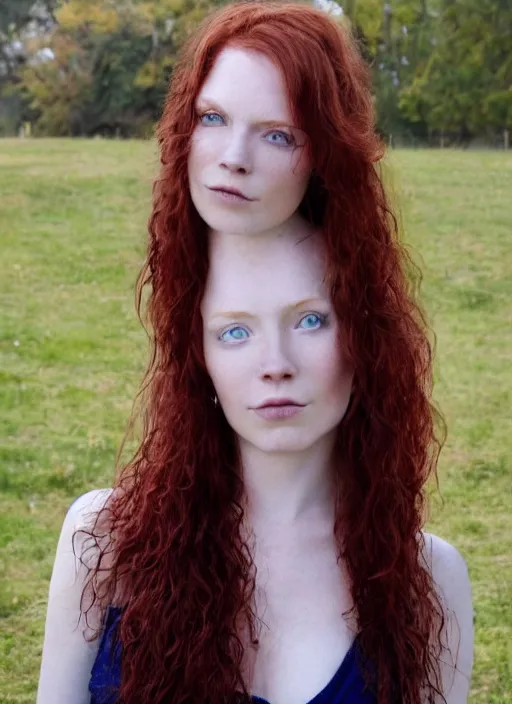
point(276, 363)
point(236, 155)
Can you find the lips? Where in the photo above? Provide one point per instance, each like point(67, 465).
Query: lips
point(279, 411)
point(280, 402)
point(233, 191)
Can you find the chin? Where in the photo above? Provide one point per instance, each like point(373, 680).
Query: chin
point(230, 225)
point(283, 440)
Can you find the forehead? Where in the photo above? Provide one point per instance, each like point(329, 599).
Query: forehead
point(247, 80)
point(260, 274)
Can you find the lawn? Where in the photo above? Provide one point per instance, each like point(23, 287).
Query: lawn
point(72, 230)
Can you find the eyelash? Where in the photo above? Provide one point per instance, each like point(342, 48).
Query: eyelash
point(290, 141)
point(323, 318)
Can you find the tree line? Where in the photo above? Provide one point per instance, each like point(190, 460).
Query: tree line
point(442, 69)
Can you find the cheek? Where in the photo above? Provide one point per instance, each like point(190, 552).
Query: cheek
point(201, 154)
point(335, 377)
point(284, 189)
point(291, 172)
point(227, 373)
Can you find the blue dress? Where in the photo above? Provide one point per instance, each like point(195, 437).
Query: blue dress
point(346, 686)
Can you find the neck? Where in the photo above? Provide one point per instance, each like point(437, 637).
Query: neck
point(285, 489)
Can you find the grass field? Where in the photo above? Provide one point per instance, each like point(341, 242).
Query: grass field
point(72, 232)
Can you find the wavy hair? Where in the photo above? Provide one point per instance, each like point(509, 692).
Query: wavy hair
point(169, 537)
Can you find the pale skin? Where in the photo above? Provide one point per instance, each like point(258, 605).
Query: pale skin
point(270, 332)
point(267, 263)
point(265, 352)
point(259, 345)
point(282, 342)
point(250, 144)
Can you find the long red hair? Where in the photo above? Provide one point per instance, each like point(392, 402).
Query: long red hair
point(170, 531)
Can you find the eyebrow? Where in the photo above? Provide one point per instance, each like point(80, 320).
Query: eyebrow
point(245, 314)
point(264, 123)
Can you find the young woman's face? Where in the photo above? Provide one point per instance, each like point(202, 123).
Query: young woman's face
point(245, 139)
point(270, 333)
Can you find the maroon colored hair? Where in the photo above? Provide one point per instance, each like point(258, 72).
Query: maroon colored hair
point(171, 529)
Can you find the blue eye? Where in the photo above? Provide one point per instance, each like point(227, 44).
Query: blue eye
point(235, 333)
point(287, 140)
point(209, 114)
point(313, 321)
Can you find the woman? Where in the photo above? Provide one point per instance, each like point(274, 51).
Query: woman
point(266, 538)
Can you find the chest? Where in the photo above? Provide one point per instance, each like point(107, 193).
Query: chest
point(303, 635)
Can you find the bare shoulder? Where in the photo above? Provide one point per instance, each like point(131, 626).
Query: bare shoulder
point(80, 520)
point(87, 505)
point(67, 656)
point(73, 546)
point(451, 578)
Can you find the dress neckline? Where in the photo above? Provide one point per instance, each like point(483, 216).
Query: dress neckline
point(334, 683)
point(330, 688)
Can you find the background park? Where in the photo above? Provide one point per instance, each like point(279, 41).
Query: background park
point(73, 213)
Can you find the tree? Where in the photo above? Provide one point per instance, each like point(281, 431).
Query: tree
point(19, 18)
point(58, 90)
point(464, 88)
point(440, 67)
point(118, 56)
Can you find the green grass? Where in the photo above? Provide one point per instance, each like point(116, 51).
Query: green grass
point(72, 225)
